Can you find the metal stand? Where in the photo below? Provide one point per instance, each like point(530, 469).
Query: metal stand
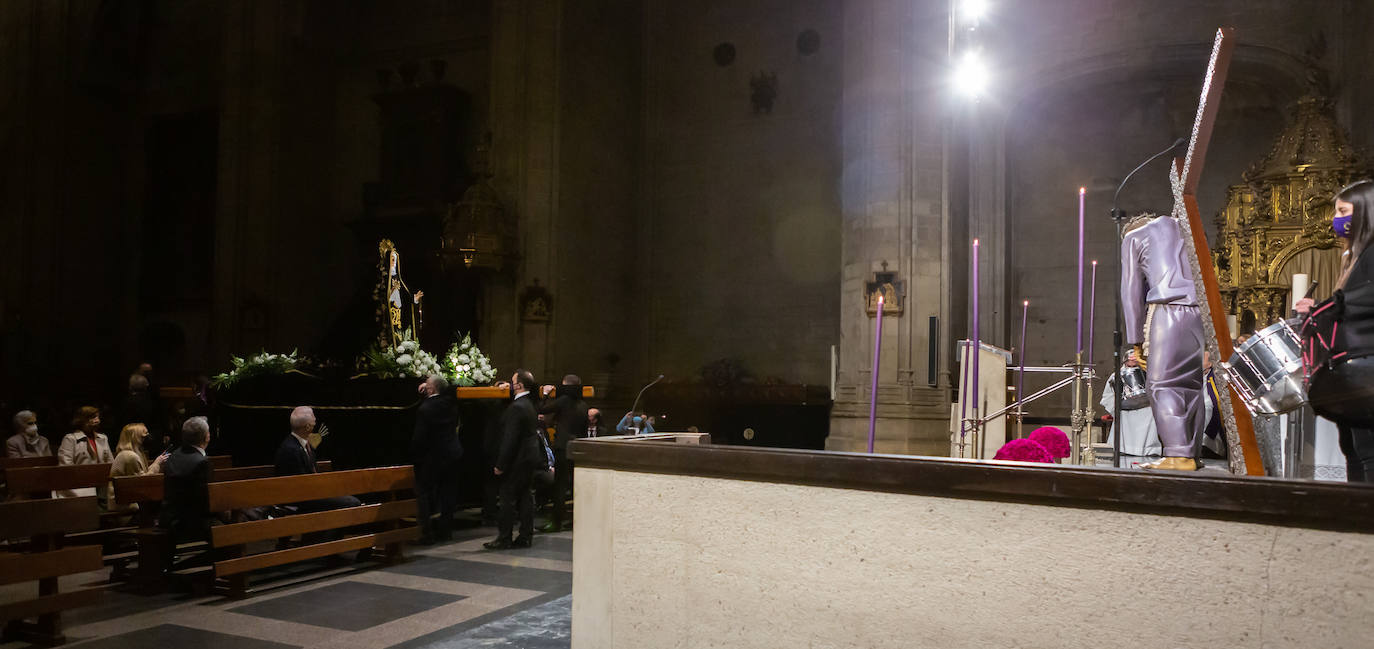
point(1080, 377)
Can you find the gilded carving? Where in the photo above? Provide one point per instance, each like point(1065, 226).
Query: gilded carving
point(1282, 208)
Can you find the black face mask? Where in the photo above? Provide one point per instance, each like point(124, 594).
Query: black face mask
point(512, 391)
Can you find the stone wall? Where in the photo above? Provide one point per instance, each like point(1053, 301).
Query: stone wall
point(740, 223)
point(683, 561)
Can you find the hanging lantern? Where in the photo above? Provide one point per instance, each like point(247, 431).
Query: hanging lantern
point(477, 231)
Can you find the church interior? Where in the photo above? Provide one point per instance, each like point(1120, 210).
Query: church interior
point(846, 286)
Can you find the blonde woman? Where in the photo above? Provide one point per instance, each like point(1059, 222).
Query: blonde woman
point(129, 458)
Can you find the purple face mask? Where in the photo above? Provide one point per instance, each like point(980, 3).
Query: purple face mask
point(1341, 225)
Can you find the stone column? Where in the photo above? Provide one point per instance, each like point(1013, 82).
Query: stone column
point(257, 46)
point(893, 206)
point(525, 134)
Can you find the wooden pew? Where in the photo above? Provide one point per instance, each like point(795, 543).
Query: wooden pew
point(7, 463)
point(41, 481)
point(231, 540)
point(44, 522)
point(155, 550)
point(221, 461)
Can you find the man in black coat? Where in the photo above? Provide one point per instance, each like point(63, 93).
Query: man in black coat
point(186, 485)
point(569, 413)
point(296, 456)
point(521, 453)
point(436, 450)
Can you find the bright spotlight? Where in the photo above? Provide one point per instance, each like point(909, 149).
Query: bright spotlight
point(971, 75)
point(971, 11)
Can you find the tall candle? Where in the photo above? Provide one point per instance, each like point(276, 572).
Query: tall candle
point(1021, 371)
point(975, 356)
point(873, 389)
point(1078, 343)
point(963, 389)
point(1092, 310)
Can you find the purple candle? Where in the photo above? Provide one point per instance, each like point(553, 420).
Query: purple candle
point(974, 355)
point(873, 389)
point(1021, 354)
point(1078, 344)
point(963, 392)
point(1092, 310)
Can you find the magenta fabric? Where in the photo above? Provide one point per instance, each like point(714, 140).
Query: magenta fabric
point(1023, 450)
point(1052, 439)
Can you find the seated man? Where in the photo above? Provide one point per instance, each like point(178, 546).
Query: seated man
point(26, 441)
point(186, 485)
point(296, 456)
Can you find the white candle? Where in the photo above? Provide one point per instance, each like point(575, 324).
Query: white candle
point(1233, 326)
point(1299, 289)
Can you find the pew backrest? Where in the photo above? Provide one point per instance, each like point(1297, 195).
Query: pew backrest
point(221, 461)
point(243, 494)
point(139, 489)
point(41, 521)
point(39, 482)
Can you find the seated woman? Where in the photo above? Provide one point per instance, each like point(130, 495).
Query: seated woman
point(129, 458)
point(85, 445)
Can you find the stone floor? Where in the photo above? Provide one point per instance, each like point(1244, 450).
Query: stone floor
point(455, 596)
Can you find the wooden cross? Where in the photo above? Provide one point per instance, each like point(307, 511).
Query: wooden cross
point(1240, 429)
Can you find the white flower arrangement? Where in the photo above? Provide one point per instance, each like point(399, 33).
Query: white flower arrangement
point(403, 360)
point(465, 365)
point(260, 364)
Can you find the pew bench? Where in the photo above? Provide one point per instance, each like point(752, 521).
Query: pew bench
point(382, 520)
point(43, 523)
point(40, 483)
point(156, 551)
point(7, 463)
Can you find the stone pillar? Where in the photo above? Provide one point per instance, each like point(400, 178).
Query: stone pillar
point(258, 38)
point(893, 208)
point(525, 135)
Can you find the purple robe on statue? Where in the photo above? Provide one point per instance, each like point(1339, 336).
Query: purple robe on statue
point(1157, 294)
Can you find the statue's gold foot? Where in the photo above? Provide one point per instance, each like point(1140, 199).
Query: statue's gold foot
point(1173, 464)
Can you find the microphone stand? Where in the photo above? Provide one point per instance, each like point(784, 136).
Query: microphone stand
point(635, 407)
point(1119, 217)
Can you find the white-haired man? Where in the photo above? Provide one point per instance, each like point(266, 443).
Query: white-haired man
point(296, 456)
point(26, 441)
point(186, 491)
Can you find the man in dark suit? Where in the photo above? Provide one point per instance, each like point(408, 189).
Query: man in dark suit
point(186, 485)
point(569, 413)
point(296, 456)
point(520, 454)
point(436, 451)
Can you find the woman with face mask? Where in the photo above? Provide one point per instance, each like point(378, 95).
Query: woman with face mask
point(1338, 335)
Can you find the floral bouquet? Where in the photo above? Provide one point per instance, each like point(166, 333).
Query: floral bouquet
point(260, 364)
point(465, 365)
point(402, 360)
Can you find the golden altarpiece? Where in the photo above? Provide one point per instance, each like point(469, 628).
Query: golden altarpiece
point(1278, 221)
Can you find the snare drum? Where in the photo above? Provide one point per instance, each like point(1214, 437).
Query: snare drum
point(1134, 395)
point(1267, 370)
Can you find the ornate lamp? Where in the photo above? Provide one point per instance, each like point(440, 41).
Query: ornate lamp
point(477, 231)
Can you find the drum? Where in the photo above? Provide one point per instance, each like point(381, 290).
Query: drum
point(1267, 370)
point(1134, 396)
